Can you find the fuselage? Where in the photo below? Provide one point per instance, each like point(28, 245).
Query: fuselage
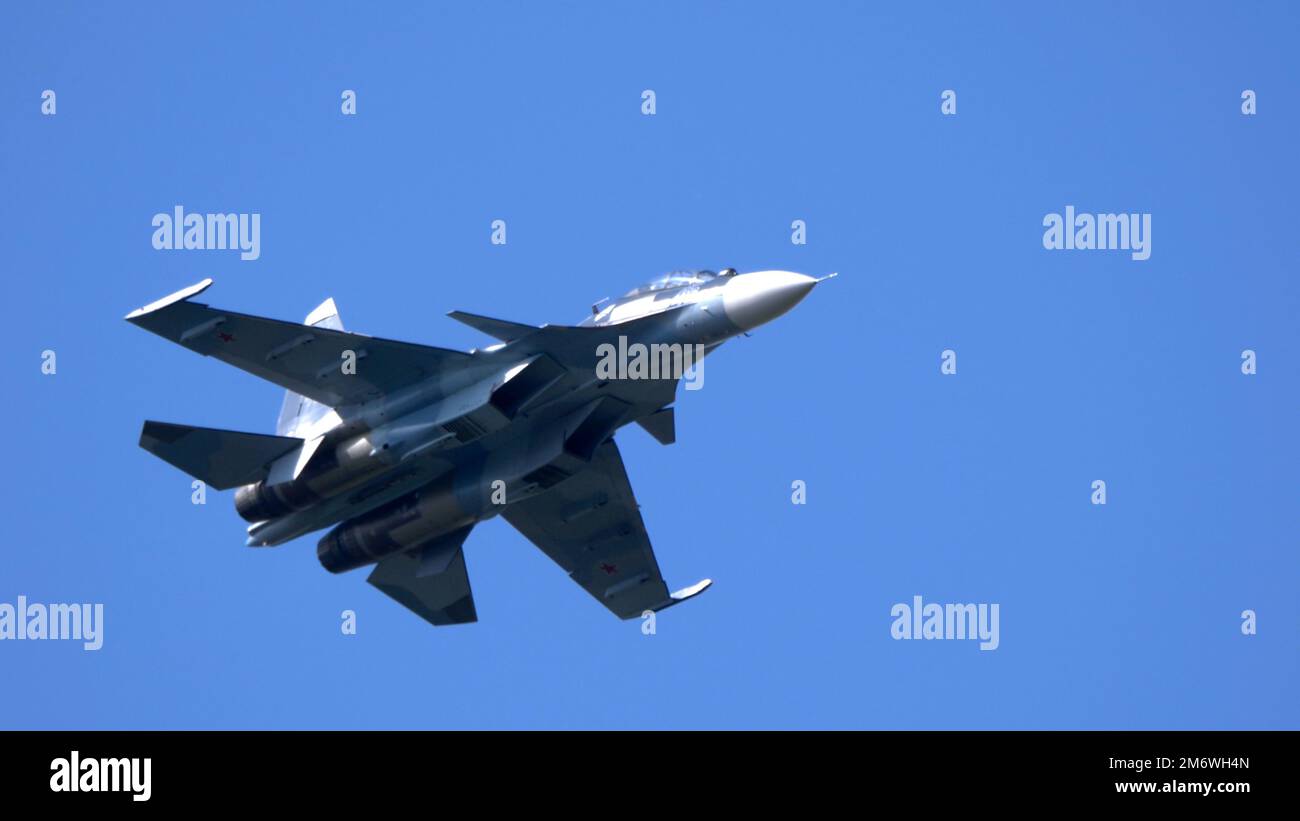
point(438, 457)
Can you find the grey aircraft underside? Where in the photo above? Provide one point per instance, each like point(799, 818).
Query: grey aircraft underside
point(404, 448)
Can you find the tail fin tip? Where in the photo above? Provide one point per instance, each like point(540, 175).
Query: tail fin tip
point(322, 313)
point(298, 413)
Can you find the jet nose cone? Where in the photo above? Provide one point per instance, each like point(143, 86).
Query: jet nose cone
point(752, 299)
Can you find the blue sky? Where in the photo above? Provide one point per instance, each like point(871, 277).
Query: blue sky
point(1072, 366)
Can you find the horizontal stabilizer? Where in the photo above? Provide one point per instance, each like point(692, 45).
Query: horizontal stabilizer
point(222, 459)
point(661, 425)
point(436, 556)
point(495, 328)
point(439, 598)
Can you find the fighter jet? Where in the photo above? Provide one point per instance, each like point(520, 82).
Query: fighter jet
point(404, 448)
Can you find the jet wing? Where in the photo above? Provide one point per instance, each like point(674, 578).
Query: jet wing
point(305, 359)
point(591, 526)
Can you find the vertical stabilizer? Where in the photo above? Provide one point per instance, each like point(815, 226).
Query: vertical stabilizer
point(298, 412)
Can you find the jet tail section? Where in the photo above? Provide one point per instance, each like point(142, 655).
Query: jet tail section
point(220, 458)
point(298, 413)
point(431, 581)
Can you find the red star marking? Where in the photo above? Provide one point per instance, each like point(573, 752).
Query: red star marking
point(225, 337)
point(608, 568)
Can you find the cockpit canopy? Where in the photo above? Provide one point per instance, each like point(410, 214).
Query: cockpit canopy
point(674, 279)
